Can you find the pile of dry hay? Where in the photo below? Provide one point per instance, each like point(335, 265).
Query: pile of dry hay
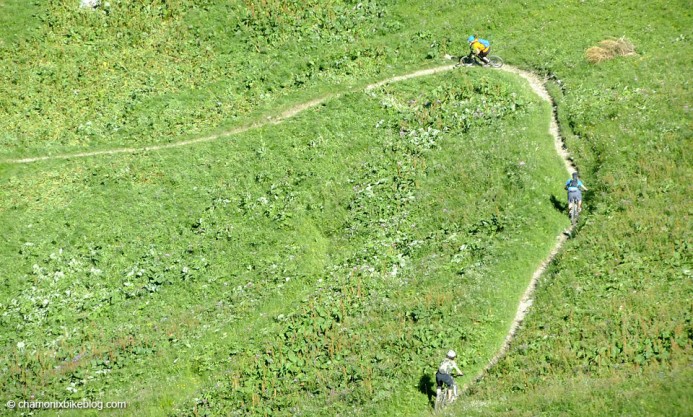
point(608, 49)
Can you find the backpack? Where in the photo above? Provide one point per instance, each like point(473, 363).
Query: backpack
point(485, 43)
point(574, 182)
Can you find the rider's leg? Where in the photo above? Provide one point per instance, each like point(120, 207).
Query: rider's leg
point(443, 385)
point(451, 391)
point(484, 59)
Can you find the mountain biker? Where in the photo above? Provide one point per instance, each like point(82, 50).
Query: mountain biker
point(574, 187)
point(479, 48)
point(444, 373)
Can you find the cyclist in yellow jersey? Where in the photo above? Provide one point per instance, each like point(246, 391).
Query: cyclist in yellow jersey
point(480, 48)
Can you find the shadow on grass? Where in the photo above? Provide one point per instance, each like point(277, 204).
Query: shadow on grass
point(559, 205)
point(427, 386)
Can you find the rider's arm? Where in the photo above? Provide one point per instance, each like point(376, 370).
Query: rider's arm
point(454, 364)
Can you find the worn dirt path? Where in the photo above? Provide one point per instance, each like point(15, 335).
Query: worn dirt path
point(535, 83)
point(539, 88)
point(270, 120)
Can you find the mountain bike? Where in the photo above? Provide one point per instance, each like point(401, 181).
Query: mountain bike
point(444, 397)
point(495, 61)
point(574, 211)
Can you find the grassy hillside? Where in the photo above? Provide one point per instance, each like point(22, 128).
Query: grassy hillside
point(327, 236)
point(324, 264)
point(611, 331)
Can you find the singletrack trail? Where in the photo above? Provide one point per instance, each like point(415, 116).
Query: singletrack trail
point(270, 120)
point(527, 299)
point(535, 83)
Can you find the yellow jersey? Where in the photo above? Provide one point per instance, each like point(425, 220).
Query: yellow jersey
point(478, 46)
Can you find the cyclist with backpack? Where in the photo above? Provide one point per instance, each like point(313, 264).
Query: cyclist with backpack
point(444, 374)
point(574, 186)
point(479, 48)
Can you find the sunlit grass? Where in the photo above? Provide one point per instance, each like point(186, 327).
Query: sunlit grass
point(149, 258)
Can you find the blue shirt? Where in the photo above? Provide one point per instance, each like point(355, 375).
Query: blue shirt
point(579, 184)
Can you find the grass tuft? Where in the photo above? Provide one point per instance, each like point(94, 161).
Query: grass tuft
point(609, 49)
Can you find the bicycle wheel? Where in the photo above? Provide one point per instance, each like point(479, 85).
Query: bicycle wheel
point(438, 405)
point(466, 61)
point(441, 400)
point(496, 61)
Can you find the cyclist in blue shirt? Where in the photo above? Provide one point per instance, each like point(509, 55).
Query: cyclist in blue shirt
point(574, 187)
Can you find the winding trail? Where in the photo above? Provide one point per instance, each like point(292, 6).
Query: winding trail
point(539, 88)
point(537, 85)
point(270, 120)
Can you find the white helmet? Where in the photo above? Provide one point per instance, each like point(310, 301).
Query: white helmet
point(451, 354)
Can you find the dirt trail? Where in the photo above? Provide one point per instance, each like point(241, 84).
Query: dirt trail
point(535, 83)
point(538, 86)
point(270, 120)
point(527, 299)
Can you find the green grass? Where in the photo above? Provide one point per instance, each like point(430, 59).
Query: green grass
point(652, 393)
point(195, 242)
point(303, 268)
point(17, 21)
